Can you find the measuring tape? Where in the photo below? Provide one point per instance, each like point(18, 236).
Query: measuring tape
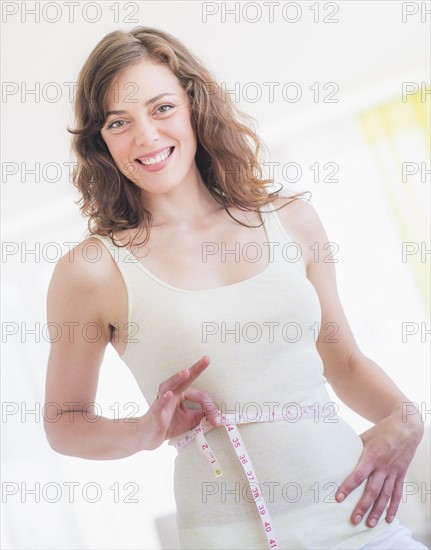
point(230, 420)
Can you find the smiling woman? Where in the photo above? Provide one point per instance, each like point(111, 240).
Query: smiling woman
point(162, 94)
point(162, 151)
point(152, 136)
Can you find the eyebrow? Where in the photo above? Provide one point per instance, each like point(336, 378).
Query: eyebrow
point(148, 102)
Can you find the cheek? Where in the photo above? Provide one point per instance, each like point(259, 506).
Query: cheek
point(120, 157)
point(117, 149)
point(109, 144)
point(182, 127)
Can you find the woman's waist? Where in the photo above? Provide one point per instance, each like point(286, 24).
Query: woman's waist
point(297, 466)
point(302, 452)
point(294, 408)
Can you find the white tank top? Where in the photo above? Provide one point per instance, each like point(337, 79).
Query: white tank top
point(260, 335)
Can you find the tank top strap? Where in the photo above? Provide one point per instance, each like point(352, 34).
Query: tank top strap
point(273, 225)
point(118, 253)
point(113, 250)
point(282, 246)
point(121, 257)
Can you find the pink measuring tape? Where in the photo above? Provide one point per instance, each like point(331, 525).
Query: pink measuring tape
point(230, 420)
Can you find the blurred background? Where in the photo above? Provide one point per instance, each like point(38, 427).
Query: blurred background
point(340, 95)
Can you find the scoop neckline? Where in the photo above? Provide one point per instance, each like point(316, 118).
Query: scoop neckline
point(224, 287)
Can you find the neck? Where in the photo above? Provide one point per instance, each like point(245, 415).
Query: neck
point(186, 204)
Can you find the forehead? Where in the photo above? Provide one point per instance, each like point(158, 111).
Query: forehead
point(141, 82)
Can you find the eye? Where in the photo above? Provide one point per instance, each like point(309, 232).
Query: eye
point(164, 109)
point(113, 124)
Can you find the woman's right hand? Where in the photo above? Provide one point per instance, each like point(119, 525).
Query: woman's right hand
point(168, 416)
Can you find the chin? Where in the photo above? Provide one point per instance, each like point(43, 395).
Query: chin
point(158, 189)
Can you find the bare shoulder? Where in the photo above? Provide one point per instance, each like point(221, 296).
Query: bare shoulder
point(86, 265)
point(298, 215)
point(301, 222)
point(84, 276)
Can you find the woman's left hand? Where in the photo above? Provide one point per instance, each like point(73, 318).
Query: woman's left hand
point(389, 447)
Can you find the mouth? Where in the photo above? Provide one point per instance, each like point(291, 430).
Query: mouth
point(158, 161)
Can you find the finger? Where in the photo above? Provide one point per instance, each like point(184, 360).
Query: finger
point(196, 416)
point(397, 493)
point(184, 378)
point(381, 503)
point(356, 478)
point(372, 491)
point(172, 383)
point(163, 409)
point(209, 408)
point(194, 372)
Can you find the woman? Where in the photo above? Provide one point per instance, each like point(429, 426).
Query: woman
point(216, 318)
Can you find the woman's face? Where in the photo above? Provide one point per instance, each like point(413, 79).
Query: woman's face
point(148, 128)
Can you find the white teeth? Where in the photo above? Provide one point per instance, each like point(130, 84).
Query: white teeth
point(156, 159)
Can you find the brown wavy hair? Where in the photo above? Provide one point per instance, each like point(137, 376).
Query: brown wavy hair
point(228, 149)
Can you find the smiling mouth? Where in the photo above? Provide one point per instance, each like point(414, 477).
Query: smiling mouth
point(158, 158)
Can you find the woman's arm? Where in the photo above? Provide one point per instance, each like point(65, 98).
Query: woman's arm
point(77, 298)
point(80, 295)
point(390, 445)
point(357, 380)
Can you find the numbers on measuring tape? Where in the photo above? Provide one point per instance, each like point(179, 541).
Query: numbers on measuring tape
point(255, 493)
point(198, 434)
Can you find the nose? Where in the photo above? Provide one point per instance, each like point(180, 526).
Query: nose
point(145, 131)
